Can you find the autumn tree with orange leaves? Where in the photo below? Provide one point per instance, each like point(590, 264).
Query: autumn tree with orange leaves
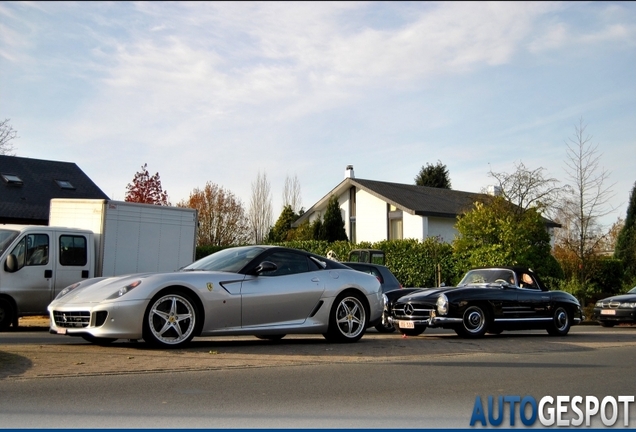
point(222, 217)
point(146, 189)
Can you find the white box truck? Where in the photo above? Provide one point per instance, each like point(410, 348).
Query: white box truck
point(88, 238)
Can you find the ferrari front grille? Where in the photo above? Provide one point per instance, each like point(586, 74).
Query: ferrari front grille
point(72, 319)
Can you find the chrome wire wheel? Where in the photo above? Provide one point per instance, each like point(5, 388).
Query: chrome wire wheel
point(170, 321)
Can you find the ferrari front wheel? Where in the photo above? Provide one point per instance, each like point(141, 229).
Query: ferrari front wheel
point(348, 319)
point(170, 320)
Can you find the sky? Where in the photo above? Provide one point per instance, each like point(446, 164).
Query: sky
point(222, 91)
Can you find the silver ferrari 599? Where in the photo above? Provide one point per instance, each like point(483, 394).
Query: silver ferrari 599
point(264, 291)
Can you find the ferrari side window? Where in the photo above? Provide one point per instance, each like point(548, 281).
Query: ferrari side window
point(287, 263)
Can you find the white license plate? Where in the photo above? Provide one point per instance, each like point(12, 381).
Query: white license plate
point(406, 324)
point(61, 331)
point(608, 312)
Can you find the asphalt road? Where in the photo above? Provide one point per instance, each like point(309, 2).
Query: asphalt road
point(384, 381)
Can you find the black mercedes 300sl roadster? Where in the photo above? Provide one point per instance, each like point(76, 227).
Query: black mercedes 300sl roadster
point(487, 300)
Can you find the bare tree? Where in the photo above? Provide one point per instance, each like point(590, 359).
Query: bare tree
point(291, 194)
point(222, 220)
point(586, 202)
point(529, 188)
point(7, 134)
point(260, 213)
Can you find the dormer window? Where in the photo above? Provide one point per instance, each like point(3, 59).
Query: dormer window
point(12, 179)
point(65, 184)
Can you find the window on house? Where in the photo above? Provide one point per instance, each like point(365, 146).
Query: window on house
point(65, 184)
point(395, 223)
point(395, 229)
point(12, 179)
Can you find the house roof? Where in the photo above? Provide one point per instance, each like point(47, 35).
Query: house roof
point(27, 186)
point(413, 199)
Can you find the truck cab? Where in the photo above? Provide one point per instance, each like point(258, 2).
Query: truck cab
point(36, 263)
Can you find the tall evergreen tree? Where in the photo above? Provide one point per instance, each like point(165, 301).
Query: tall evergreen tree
point(626, 242)
point(332, 228)
point(281, 229)
point(434, 176)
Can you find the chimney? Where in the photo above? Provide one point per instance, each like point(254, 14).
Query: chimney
point(494, 190)
point(349, 172)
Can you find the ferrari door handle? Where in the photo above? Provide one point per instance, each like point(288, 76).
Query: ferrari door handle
point(315, 279)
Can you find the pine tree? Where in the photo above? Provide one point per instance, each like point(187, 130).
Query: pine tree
point(626, 242)
point(332, 228)
point(434, 176)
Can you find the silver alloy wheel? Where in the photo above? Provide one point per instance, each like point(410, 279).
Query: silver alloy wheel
point(171, 319)
point(351, 317)
point(561, 320)
point(474, 320)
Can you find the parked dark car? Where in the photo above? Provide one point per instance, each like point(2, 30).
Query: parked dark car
point(487, 300)
point(388, 281)
point(617, 309)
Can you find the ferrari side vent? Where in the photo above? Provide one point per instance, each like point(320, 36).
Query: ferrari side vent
point(315, 311)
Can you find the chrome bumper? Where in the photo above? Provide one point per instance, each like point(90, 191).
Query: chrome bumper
point(433, 321)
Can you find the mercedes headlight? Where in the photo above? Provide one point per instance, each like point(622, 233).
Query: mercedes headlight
point(442, 305)
point(385, 301)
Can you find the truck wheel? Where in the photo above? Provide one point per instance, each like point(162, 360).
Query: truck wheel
point(6, 314)
point(348, 319)
point(170, 320)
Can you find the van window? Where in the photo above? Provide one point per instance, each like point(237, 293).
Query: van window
point(32, 250)
point(73, 250)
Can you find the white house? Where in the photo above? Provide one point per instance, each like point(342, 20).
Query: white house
point(374, 210)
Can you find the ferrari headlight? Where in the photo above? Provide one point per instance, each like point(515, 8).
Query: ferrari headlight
point(125, 289)
point(67, 290)
point(442, 305)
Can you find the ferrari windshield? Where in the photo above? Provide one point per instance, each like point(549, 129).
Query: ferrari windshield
point(6, 237)
point(486, 276)
point(227, 260)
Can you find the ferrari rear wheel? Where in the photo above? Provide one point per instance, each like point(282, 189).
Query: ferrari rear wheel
point(560, 325)
point(475, 322)
point(348, 319)
point(170, 320)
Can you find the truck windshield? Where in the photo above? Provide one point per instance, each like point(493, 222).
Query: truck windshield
point(6, 237)
point(228, 260)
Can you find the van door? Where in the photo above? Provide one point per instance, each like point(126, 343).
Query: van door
point(73, 260)
point(30, 285)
